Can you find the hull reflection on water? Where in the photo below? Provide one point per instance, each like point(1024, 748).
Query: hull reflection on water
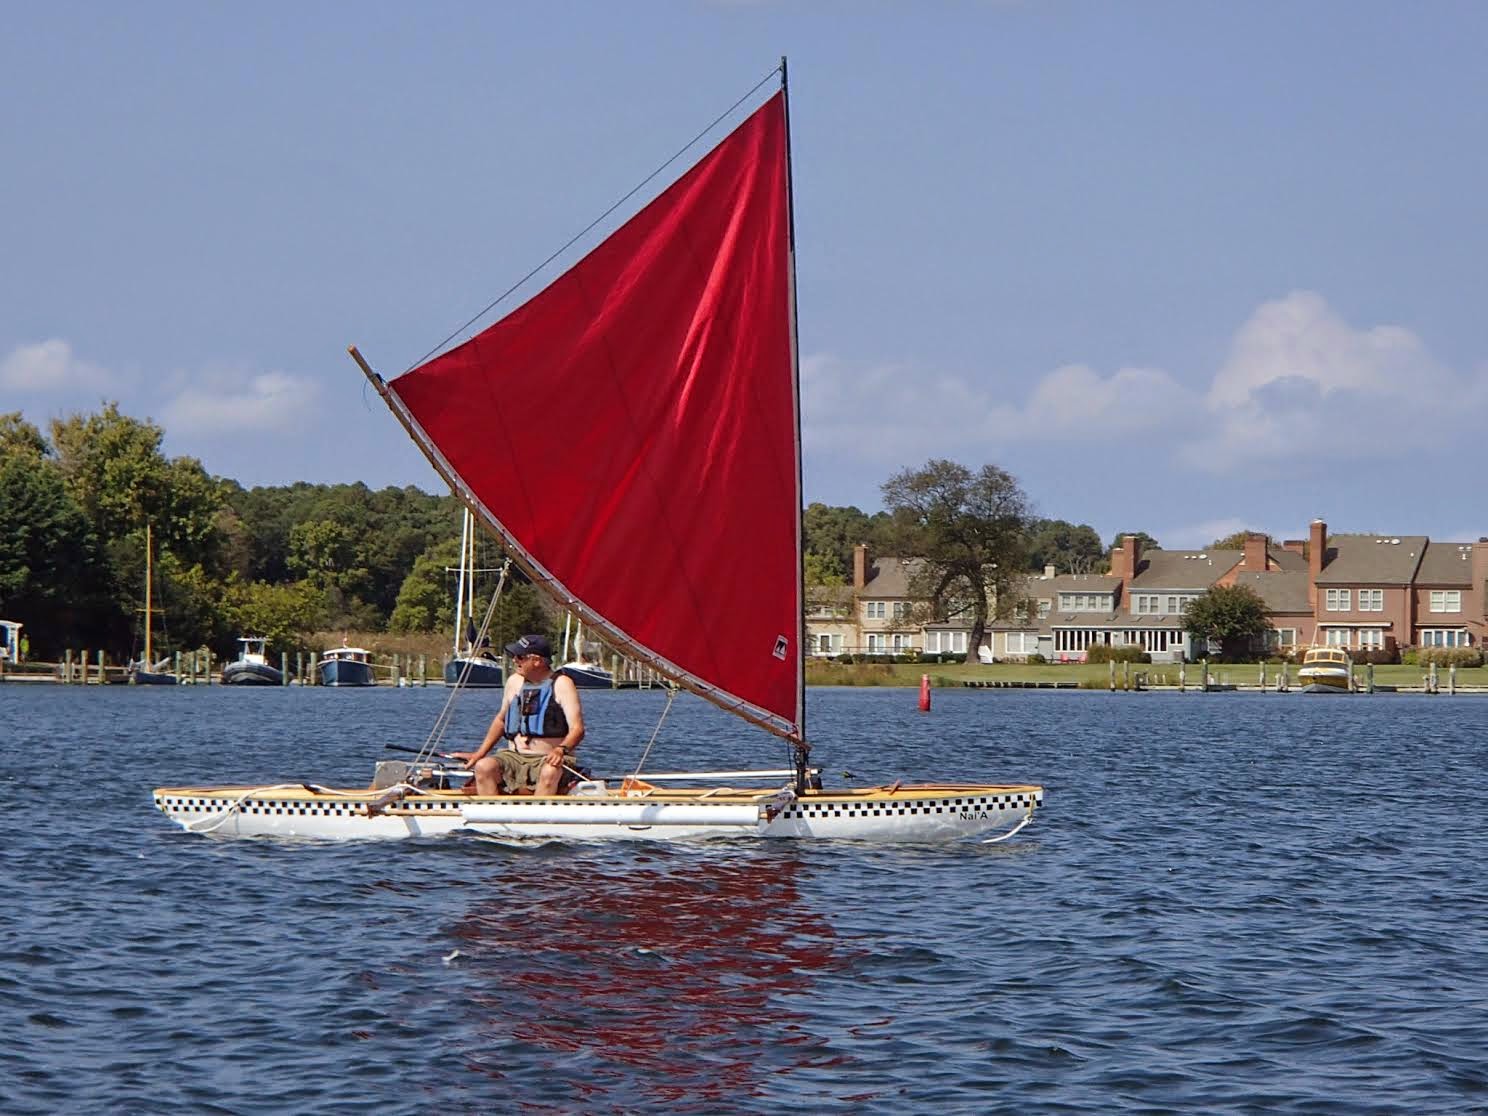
point(679, 968)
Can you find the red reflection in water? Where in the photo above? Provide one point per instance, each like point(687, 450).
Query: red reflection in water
point(666, 976)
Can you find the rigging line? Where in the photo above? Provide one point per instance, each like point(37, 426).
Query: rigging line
point(640, 763)
point(504, 295)
point(446, 715)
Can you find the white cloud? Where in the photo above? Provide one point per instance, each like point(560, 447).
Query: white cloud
point(1074, 401)
point(51, 367)
point(895, 413)
point(1300, 338)
point(1301, 383)
point(267, 402)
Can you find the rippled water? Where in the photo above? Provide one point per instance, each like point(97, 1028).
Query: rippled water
point(1231, 903)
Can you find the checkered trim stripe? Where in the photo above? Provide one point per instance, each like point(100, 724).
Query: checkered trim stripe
point(349, 808)
point(869, 808)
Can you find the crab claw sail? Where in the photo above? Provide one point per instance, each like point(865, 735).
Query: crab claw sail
point(632, 431)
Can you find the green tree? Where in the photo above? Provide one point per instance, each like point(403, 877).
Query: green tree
point(48, 556)
point(325, 553)
point(1147, 541)
point(426, 600)
point(1233, 542)
point(829, 534)
point(1065, 546)
point(968, 529)
point(19, 438)
point(115, 472)
point(820, 570)
point(1234, 615)
point(284, 614)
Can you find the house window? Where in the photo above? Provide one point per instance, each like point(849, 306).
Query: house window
point(901, 609)
point(874, 610)
point(875, 642)
point(899, 643)
point(1147, 604)
point(1046, 606)
point(1172, 604)
point(1022, 643)
point(1283, 637)
point(824, 644)
point(1339, 600)
point(1446, 600)
point(945, 641)
point(1444, 637)
point(1337, 637)
point(1371, 600)
point(1372, 639)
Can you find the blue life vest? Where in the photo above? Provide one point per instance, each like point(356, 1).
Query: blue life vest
point(534, 712)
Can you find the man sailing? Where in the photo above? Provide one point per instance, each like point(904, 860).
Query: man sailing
point(540, 714)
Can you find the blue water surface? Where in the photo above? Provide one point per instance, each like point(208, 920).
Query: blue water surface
point(1231, 903)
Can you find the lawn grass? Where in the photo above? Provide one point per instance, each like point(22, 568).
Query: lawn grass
point(1098, 675)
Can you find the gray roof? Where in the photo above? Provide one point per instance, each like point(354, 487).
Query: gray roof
point(1283, 590)
point(1446, 563)
point(1070, 583)
point(1288, 560)
point(1372, 559)
point(1161, 570)
point(889, 577)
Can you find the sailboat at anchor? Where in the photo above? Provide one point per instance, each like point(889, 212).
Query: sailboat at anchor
point(668, 356)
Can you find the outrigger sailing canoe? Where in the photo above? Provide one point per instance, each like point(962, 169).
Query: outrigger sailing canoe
point(666, 357)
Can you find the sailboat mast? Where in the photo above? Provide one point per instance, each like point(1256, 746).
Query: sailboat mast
point(460, 585)
point(795, 352)
point(149, 569)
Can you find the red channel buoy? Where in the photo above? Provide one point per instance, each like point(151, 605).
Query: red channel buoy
point(924, 693)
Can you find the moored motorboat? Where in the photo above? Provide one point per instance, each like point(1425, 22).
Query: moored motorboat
point(346, 666)
point(251, 668)
point(1325, 670)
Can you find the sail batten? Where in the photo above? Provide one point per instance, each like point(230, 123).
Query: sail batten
point(631, 432)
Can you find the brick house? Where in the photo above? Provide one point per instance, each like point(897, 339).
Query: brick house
point(1357, 591)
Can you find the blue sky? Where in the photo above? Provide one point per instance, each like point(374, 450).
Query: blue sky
point(1179, 267)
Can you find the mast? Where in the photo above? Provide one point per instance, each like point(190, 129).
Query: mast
point(149, 569)
point(460, 585)
point(801, 748)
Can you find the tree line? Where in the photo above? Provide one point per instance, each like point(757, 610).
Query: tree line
point(78, 502)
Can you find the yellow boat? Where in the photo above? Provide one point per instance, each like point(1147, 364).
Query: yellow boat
point(1326, 670)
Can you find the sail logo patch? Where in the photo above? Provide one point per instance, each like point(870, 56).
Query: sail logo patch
point(782, 645)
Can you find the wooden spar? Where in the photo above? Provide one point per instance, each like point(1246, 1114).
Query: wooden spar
point(550, 585)
point(149, 570)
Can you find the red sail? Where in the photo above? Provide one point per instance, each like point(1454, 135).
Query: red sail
point(632, 430)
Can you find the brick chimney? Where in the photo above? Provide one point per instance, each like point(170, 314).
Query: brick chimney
point(860, 565)
point(1124, 558)
point(1256, 546)
point(1480, 575)
point(1317, 546)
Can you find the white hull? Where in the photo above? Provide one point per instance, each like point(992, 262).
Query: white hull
point(932, 813)
point(1324, 679)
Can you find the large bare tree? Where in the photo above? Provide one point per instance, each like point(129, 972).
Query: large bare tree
point(968, 530)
